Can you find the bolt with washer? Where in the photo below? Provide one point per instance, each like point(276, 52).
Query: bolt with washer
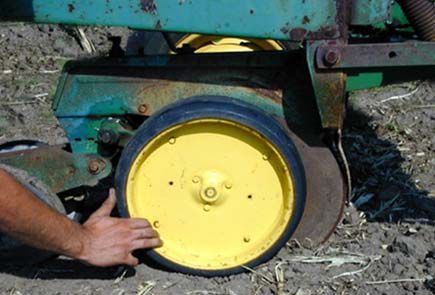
point(331, 57)
point(94, 167)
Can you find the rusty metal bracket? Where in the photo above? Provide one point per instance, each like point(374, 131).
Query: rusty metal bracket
point(375, 55)
point(58, 169)
point(329, 87)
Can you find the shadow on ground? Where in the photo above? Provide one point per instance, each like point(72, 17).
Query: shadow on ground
point(67, 269)
point(383, 184)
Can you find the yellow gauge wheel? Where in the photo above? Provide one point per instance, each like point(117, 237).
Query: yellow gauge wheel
point(219, 192)
point(214, 44)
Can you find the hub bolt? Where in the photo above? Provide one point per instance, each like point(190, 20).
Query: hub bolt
point(210, 192)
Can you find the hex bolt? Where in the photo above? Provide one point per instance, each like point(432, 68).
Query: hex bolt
point(94, 167)
point(331, 57)
point(107, 137)
point(143, 108)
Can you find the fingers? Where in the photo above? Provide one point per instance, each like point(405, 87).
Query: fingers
point(108, 205)
point(146, 244)
point(137, 223)
point(146, 233)
point(131, 260)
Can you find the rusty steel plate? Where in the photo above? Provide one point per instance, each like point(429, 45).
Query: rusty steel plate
point(326, 191)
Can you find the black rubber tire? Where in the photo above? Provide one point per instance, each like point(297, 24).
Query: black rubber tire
point(219, 108)
point(13, 251)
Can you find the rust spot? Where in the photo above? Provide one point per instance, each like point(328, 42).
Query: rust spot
point(71, 7)
point(143, 108)
point(148, 6)
point(94, 166)
point(158, 25)
point(298, 34)
point(285, 29)
point(71, 171)
point(272, 94)
point(329, 31)
point(305, 20)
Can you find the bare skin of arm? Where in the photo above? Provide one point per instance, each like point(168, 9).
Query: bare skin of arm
point(101, 241)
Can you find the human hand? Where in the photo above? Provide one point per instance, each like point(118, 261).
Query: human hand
point(108, 241)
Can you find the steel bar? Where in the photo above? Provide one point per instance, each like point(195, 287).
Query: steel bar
point(377, 55)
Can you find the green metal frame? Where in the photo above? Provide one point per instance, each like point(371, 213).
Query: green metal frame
point(59, 169)
point(100, 102)
point(93, 91)
point(275, 19)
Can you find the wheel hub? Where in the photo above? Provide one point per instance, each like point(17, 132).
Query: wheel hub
point(210, 186)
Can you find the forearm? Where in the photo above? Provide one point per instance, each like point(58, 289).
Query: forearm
point(102, 240)
point(26, 218)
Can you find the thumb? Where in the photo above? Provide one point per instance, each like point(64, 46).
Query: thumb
point(131, 260)
point(108, 205)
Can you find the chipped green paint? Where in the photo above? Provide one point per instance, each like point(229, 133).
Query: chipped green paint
point(86, 99)
point(71, 170)
point(368, 12)
point(276, 19)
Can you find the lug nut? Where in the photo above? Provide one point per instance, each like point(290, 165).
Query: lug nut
point(207, 208)
point(172, 140)
point(228, 185)
point(156, 224)
point(195, 179)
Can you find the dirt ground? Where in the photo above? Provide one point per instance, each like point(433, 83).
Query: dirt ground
point(385, 244)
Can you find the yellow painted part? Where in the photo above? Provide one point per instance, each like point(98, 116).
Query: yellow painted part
point(213, 44)
point(218, 193)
